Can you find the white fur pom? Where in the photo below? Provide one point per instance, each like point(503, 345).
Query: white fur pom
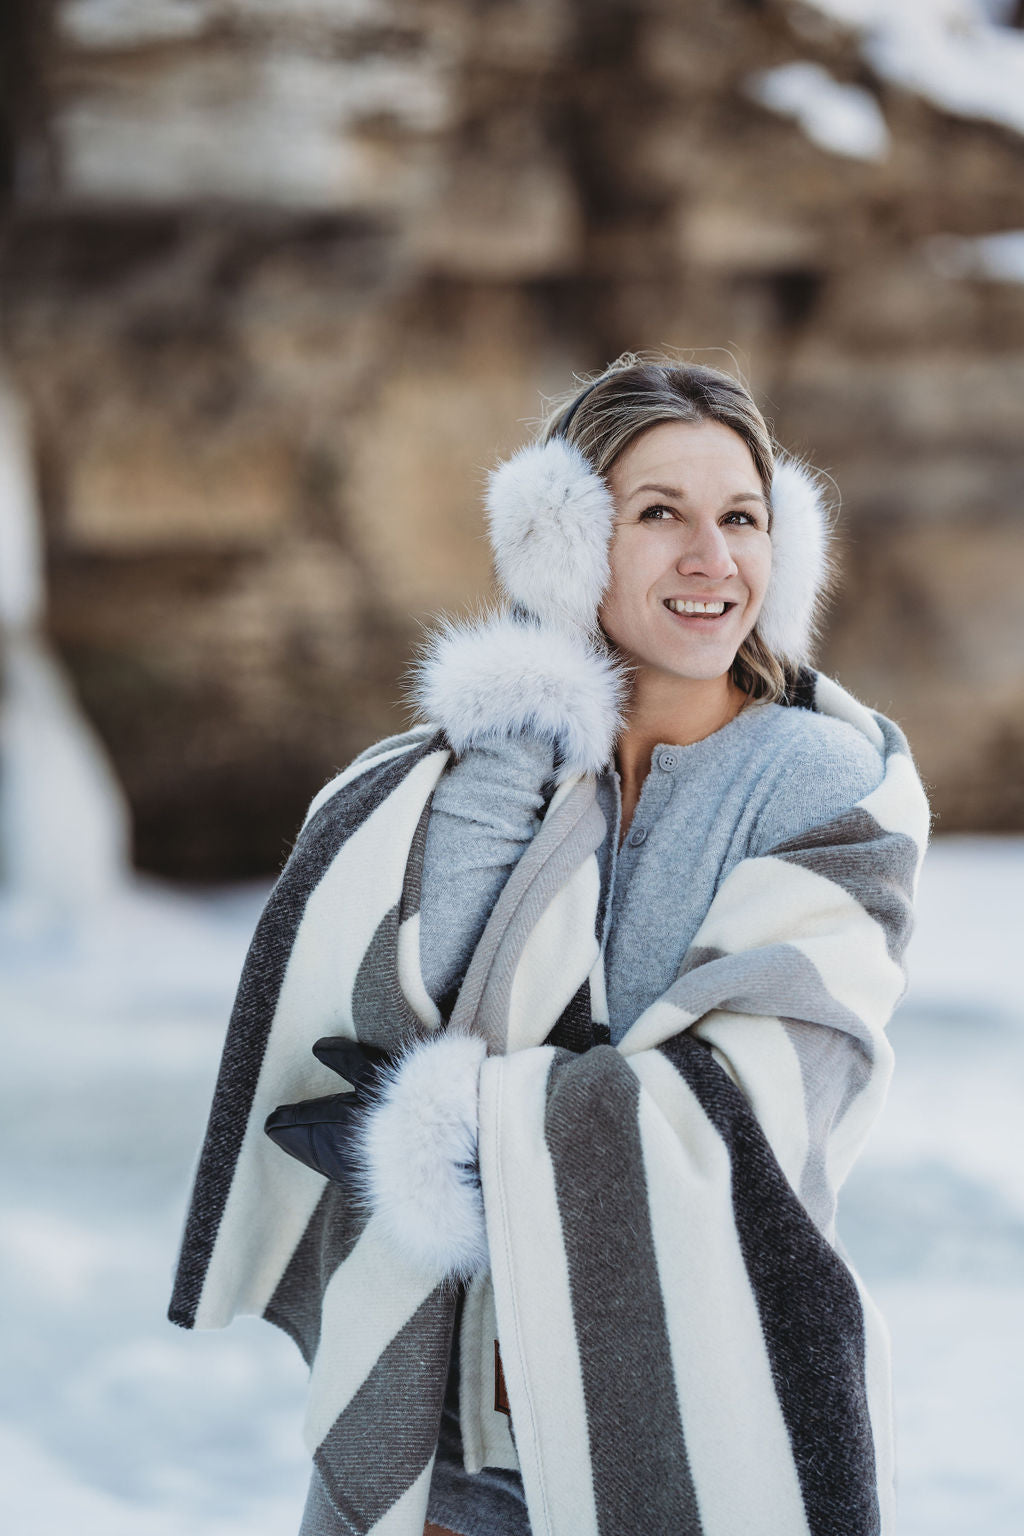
point(487, 679)
point(800, 561)
point(423, 1126)
point(550, 522)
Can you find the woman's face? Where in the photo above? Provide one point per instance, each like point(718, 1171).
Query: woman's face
point(690, 522)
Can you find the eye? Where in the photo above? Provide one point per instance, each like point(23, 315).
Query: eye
point(748, 516)
point(645, 515)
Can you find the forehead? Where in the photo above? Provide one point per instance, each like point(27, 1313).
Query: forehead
point(682, 452)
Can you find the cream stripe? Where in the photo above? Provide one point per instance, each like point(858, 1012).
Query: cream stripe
point(658, 1022)
point(772, 901)
point(899, 804)
point(361, 1316)
point(532, 1296)
point(556, 959)
point(736, 1438)
point(599, 991)
point(250, 1254)
point(831, 698)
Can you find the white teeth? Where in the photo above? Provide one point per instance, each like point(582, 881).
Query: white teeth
point(688, 607)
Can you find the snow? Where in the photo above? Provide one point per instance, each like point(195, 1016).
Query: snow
point(998, 258)
point(115, 1423)
point(948, 51)
point(64, 820)
point(845, 119)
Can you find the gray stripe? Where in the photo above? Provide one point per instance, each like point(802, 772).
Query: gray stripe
point(379, 1445)
point(776, 980)
point(873, 866)
point(834, 1073)
point(330, 1236)
point(642, 1479)
point(412, 887)
point(565, 839)
point(380, 1010)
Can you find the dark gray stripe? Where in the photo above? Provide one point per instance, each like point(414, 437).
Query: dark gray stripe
point(330, 1236)
point(576, 1029)
point(380, 1011)
point(875, 867)
point(641, 1471)
point(379, 1445)
point(255, 1004)
point(809, 1308)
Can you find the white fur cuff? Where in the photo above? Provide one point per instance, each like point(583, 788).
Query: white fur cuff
point(422, 1128)
point(487, 679)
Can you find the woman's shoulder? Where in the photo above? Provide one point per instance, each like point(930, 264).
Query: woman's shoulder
point(391, 746)
point(817, 767)
point(388, 748)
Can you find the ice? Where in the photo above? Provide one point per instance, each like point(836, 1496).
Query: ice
point(112, 1421)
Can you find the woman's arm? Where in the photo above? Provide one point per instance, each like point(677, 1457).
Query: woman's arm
point(485, 810)
point(524, 706)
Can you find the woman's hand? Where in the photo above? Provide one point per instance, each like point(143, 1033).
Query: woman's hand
point(323, 1133)
point(404, 1142)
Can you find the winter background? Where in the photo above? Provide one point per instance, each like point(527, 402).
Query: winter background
point(116, 984)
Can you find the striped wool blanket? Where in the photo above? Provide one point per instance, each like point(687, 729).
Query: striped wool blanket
point(686, 1346)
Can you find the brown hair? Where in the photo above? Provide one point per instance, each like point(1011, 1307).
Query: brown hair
point(636, 392)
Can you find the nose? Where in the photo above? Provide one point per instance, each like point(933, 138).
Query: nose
point(706, 552)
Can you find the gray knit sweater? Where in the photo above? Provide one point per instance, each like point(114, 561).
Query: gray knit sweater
point(769, 774)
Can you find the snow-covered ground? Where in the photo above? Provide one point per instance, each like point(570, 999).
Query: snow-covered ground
point(115, 1423)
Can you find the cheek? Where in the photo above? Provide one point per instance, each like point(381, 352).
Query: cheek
point(759, 568)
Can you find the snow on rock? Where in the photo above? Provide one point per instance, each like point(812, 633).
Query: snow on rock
point(845, 119)
point(996, 258)
point(949, 51)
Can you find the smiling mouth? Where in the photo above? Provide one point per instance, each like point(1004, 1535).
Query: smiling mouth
point(699, 620)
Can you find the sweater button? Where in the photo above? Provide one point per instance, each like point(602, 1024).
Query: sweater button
point(636, 837)
point(667, 760)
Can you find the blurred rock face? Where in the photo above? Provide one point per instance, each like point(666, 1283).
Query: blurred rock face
point(283, 281)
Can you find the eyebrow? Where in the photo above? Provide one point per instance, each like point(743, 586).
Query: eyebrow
point(677, 495)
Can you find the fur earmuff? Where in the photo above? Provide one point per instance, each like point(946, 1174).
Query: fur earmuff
point(550, 522)
point(487, 679)
point(416, 1147)
point(801, 567)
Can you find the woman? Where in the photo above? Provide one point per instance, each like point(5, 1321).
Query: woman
point(620, 1009)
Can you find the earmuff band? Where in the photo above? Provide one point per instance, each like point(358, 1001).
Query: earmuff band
point(563, 426)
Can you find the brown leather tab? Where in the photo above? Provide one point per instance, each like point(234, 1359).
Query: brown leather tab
point(500, 1392)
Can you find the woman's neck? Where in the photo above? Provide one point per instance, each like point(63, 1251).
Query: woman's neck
point(671, 709)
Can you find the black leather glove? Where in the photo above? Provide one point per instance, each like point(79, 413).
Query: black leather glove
point(322, 1132)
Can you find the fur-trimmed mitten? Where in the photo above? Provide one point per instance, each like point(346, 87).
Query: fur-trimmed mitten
point(491, 678)
point(418, 1152)
point(403, 1141)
